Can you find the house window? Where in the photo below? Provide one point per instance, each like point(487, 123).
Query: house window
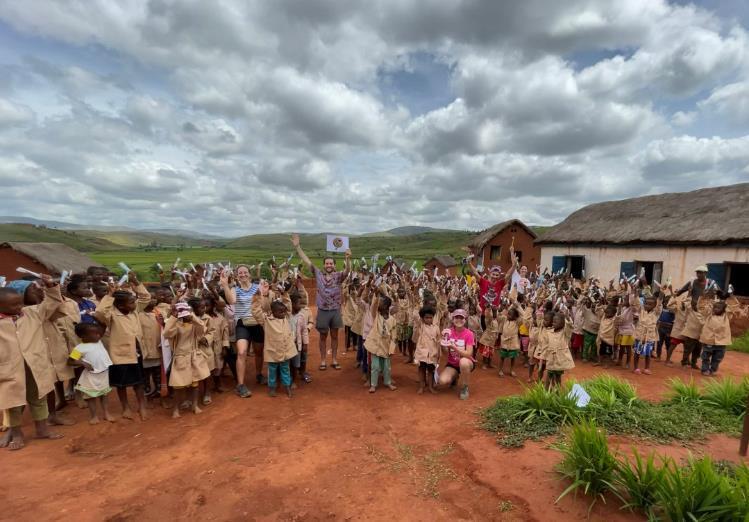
point(575, 265)
point(653, 270)
point(737, 275)
point(495, 253)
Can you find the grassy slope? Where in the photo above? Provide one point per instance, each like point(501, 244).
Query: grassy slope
point(139, 238)
point(30, 233)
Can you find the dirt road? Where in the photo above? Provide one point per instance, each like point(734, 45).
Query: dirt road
point(333, 452)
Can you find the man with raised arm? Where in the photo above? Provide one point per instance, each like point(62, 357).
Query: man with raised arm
point(329, 283)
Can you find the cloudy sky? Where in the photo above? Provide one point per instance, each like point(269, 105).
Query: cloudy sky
point(244, 117)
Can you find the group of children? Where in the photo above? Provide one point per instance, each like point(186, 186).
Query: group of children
point(177, 339)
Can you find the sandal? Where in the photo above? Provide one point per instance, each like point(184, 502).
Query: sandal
point(323, 367)
point(243, 391)
point(307, 378)
point(336, 366)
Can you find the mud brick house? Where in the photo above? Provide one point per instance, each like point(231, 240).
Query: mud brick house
point(492, 246)
point(667, 235)
point(48, 258)
point(444, 264)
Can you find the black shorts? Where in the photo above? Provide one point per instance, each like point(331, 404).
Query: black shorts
point(125, 375)
point(605, 349)
point(429, 367)
point(253, 334)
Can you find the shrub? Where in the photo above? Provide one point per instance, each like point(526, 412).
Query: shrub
point(552, 404)
point(727, 395)
point(640, 479)
point(695, 492)
point(741, 343)
point(587, 462)
point(680, 391)
point(607, 385)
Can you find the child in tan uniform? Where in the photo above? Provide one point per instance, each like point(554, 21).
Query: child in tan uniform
point(117, 311)
point(380, 342)
point(606, 336)
point(275, 318)
point(509, 339)
point(558, 355)
point(184, 330)
point(646, 331)
point(26, 376)
point(489, 337)
point(427, 354)
point(716, 334)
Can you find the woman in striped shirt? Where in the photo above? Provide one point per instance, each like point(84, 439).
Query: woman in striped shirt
point(247, 328)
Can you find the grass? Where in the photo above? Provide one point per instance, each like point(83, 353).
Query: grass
point(587, 462)
point(741, 343)
point(700, 490)
point(685, 415)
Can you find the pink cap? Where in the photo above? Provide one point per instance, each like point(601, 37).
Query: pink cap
point(459, 313)
point(496, 268)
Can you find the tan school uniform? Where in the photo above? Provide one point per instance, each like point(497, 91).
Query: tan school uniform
point(428, 345)
point(57, 344)
point(678, 307)
point(717, 328)
point(558, 355)
point(280, 338)
point(607, 331)
point(220, 341)
point(23, 343)
point(509, 336)
point(381, 338)
point(189, 365)
point(124, 330)
point(151, 339)
point(696, 319)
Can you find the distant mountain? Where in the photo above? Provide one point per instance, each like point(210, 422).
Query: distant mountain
point(42, 234)
point(62, 225)
point(180, 232)
point(407, 231)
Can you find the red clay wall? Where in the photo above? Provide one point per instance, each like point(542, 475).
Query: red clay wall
point(523, 243)
point(10, 260)
point(442, 270)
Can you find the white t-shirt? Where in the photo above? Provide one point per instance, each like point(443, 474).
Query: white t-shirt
point(94, 354)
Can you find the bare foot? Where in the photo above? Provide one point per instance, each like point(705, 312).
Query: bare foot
point(143, 414)
point(432, 390)
point(42, 432)
point(93, 420)
point(127, 414)
point(420, 390)
point(109, 417)
point(175, 414)
point(372, 389)
point(392, 387)
point(196, 410)
point(13, 439)
point(501, 373)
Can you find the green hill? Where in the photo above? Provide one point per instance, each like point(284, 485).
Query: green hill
point(139, 238)
point(42, 234)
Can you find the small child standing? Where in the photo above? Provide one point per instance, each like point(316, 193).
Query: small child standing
point(534, 330)
point(716, 334)
point(275, 318)
point(184, 330)
point(427, 352)
point(558, 355)
point(626, 330)
point(301, 340)
point(489, 337)
point(646, 332)
point(151, 349)
point(380, 342)
point(578, 339)
point(94, 380)
point(606, 336)
point(509, 339)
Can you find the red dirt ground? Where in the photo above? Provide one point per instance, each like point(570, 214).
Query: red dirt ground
point(333, 452)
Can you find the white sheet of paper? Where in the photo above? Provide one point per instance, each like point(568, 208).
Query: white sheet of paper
point(337, 243)
point(580, 395)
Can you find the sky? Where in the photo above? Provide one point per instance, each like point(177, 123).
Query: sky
point(245, 117)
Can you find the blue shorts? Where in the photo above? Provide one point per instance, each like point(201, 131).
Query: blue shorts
point(645, 349)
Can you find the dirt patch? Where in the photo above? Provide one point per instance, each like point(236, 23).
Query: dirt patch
point(333, 452)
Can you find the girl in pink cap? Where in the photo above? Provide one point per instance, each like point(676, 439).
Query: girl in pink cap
point(458, 343)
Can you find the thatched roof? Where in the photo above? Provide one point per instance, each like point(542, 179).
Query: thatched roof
point(446, 261)
point(487, 235)
point(55, 256)
point(707, 216)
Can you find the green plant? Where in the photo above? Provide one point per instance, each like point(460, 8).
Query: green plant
point(726, 394)
point(608, 385)
point(587, 462)
point(639, 478)
point(551, 404)
point(741, 343)
point(695, 492)
point(680, 391)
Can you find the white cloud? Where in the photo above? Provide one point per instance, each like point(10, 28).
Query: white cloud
point(239, 117)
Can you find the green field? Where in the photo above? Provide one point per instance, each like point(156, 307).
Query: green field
point(419, 248)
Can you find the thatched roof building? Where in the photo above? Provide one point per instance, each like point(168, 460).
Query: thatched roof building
point(444, 261)
point(709, 216)
point(665, 236)
point(51, 258)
